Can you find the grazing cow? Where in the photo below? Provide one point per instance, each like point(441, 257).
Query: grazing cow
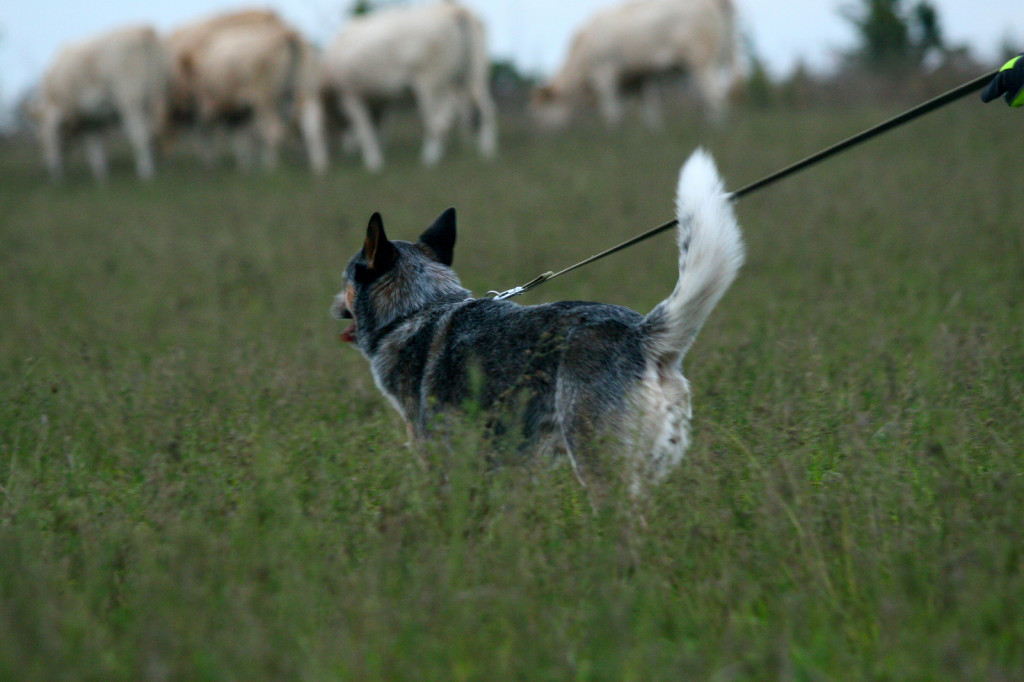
point(436, 51)
point(117, 77)
point(251, 72)
point(634, 44)
point(186, 41)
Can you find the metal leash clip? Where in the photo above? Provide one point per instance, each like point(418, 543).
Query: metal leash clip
point(522, 289)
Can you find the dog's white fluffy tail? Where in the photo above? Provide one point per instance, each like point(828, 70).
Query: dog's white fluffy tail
point(710, 254)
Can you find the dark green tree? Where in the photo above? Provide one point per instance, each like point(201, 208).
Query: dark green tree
point(884, 35)
point(893, 37)
point(760, 90)
point(926, 29)
point(360, 7)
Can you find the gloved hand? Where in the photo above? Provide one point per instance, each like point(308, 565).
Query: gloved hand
point(1009, 82)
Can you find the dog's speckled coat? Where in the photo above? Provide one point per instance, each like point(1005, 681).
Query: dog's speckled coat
point(552, 376)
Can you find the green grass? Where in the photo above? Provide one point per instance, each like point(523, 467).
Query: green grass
point(197, 481)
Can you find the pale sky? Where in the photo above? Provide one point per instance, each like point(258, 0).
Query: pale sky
point(533, 33)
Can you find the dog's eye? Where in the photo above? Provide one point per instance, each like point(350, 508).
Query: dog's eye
point(346, 314)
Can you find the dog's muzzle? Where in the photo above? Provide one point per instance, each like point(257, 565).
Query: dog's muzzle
point(340, 311)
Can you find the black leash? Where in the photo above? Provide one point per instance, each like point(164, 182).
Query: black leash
point(907, 116)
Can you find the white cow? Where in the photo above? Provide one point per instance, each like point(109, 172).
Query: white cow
point(185, 42)
point(636, 42)
point(253, 73)
point(436, 51)
point(117, 77)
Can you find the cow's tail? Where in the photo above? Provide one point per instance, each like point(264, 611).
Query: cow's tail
point(474, 76)
point(710, 254)
point(157, 68)
point(464, 27)
point(301, 101)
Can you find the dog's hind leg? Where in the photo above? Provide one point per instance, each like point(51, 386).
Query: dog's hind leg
point(415, 444)
point(570, 453)
point(662, 429)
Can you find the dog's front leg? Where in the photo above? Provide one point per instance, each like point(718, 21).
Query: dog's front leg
point(415, 445)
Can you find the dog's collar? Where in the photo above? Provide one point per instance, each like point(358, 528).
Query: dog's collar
point(433, 309)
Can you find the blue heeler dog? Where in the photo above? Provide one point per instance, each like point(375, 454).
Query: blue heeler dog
point(555, 376)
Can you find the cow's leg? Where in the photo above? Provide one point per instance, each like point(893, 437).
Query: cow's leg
point(96, 156)
point(206, 145)
point(211, 134)
point(242, 145)
point(714, 88)
point(270, 132)
point(349, 141)
point(49, 136)
point(311, 122)
point(650, 94)
point(606, 86)
point(140, 135)
point(358, 114)
point(438, 109)
point(487, 140)
point(467, 116)
point(206, 140)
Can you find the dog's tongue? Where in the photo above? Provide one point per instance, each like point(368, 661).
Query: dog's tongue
point(349, 335)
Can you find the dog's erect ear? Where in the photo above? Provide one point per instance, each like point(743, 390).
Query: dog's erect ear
point(380, 253)
point(440, 236)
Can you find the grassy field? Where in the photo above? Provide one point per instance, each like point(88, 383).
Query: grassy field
point(199, 482)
